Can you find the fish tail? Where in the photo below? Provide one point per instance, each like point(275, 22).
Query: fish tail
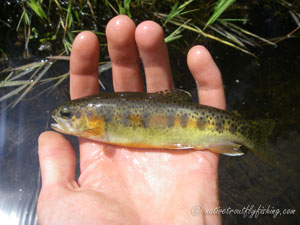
point(261, 146)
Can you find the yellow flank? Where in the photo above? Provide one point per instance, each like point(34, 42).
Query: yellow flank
point(135, 119)
point(177, 121)
point(96, 125)
point(210, 126)
point(192, 124)
point(161, 121)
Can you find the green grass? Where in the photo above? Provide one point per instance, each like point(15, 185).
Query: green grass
point(220, 7)
point(178, 10)
point(37, 8)
point(70, 17)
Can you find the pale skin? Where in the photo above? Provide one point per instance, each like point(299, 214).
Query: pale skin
point(120, 185)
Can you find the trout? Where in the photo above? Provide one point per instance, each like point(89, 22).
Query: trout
point(166, 119)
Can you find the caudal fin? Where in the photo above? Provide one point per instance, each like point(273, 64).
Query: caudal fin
point(261, 147)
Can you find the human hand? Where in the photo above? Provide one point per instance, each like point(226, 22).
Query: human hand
point(119, 185)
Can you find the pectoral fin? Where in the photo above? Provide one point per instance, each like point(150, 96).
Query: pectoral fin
point(230, 149)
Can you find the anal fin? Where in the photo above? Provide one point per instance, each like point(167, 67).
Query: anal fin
point(230, 149)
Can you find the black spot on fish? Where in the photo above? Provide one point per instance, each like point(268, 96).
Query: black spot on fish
point(219, 126)
point(244, 130)
point(125, 118)
point(145, 119)
point(232, 129)
point(184, 120)
point(170, 118)
point(201, 123)
point(108, 115)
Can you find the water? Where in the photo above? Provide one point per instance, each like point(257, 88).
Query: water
point(20, 182)
point(267, 89)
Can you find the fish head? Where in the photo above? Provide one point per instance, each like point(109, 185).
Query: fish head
point(70, 119)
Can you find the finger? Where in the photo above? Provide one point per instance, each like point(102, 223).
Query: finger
point(84, 65)
point(210, 92)
point(57, 159)
point(123, 54)
point(84, 77)
point(149, 37)
point(207, 77)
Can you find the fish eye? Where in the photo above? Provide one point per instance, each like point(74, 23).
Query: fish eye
point(65, 112)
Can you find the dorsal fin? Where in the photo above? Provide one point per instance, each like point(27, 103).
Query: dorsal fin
point(236, 113)
point(174, 94)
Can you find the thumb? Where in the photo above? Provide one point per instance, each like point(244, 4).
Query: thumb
point(57, 159)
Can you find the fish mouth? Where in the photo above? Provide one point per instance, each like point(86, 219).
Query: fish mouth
point(56, 126)
point(61, 125)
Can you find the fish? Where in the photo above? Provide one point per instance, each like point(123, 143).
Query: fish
point(162, 120)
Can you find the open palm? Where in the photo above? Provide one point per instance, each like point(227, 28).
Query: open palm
point(118, 185)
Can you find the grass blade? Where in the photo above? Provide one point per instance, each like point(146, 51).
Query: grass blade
point(6, 78)
point(26, 69)
point(14, 83)
point(91, 10)
point(23, 73)
point(47, 80)
point(59, 57)
point(176, 33)
point(198, 30)
point(295, 17)
point(3, 53)
point(221, 6)
point(177, 11)
point(104, 67)
point(62, 78)
point(37, 8)
point(101, 69)
point(67, 45)
point(20, 20)
point(32, 84)
point(249, 33)
point(26, 66)
point(111, 6)
point(13, 92)
point(125, 8)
